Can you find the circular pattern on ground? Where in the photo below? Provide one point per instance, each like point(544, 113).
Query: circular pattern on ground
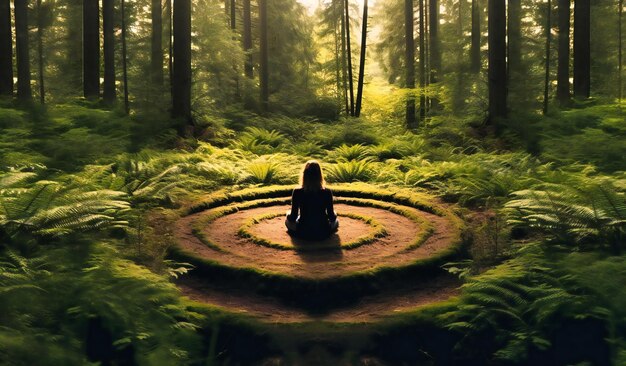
point(269, 230)
point(405, 230)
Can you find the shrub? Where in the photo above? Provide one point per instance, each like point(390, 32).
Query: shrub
point(351, 171)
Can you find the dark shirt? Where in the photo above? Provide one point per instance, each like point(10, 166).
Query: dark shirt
point(316, 210)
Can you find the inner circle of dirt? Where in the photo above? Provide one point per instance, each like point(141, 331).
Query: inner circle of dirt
point(270, 231)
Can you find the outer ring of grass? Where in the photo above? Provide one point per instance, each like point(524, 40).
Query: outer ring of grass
point(379, 232)
point(350, 285)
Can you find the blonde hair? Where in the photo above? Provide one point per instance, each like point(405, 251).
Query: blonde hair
point(311, 178)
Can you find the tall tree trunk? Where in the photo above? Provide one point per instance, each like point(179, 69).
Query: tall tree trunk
point(582, 48)
point(170, 45)
point(156, 54)
point(233, 14)
point(562, 73)
point(108, 13)
point(344, 67)
point(435, 53)
point(40, 56)
point(514, 48)
point(475, 47)
point(24, 92)
point(91, 49)
point(247, 38)
point(349, 56)
point(422, 61)
point(620, 90)
point(409, 61)
point(125, 58)
point(6, 49)
point(497, 59)
point(182, 63)
point(359, 93)
point(264, 74)
point(337, 12)
point(546, 84)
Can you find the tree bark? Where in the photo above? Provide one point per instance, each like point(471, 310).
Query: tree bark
point(433, 40)
point(233, 14)
point(170, 45)
point(349, 56)
point(475, 47)
point(247, 39)
point(24, 92)
point(582, 48)
point(497, 60)
point(344, 67)
point(514, 48)
point(125, 58)
point(91, 49)
point(40, 56)
point(562, 73)
point(546, 85)
point(182, 63)
point(409, 60)
point(422, 61)
point(6, 49)
point(359, 93)
point(156, 54)
point(620, 90)
point(108, 12)
point(264, 75)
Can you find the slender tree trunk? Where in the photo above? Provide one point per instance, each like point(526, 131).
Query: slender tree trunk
point(460, 17)
point(359, 93)
point(514, 46)
point(582, 48)
point(562, 73)
point(125, 58)
point(40, 56)
point(6, 49)
point(91, 49)
point(108, 11)
point(264, 74)
point(497, 60)
point(24, 92)
point(475, 47)
point(422, 62)
point(247, 39)
point(156, 54)
point(349, 56)
point(620, 88)
point(344, 67)
point(409, 60)
point(336, 13)
point(546, 85)
point(435, 53)
point(233, 14)
point(170, 45)
point(182, 63)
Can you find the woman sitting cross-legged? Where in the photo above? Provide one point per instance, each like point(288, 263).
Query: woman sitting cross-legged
point(314, 203)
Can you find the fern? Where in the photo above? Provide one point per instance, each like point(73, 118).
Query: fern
point(592, 212)
point(352, 171)
point(52, 209)
point(346, 153)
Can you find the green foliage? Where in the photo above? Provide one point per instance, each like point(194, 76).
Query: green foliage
point(515, 305)
point(264, 172)
point(350, 171)
point(591, 212)
point(49, 208)
point(346, 153)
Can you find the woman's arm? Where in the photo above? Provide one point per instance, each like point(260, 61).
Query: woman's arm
point(330, 210)
point(293, 214)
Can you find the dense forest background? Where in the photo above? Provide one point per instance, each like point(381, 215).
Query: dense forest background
point(114, 114)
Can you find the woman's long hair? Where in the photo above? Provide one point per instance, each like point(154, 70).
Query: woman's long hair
point(311, 178)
